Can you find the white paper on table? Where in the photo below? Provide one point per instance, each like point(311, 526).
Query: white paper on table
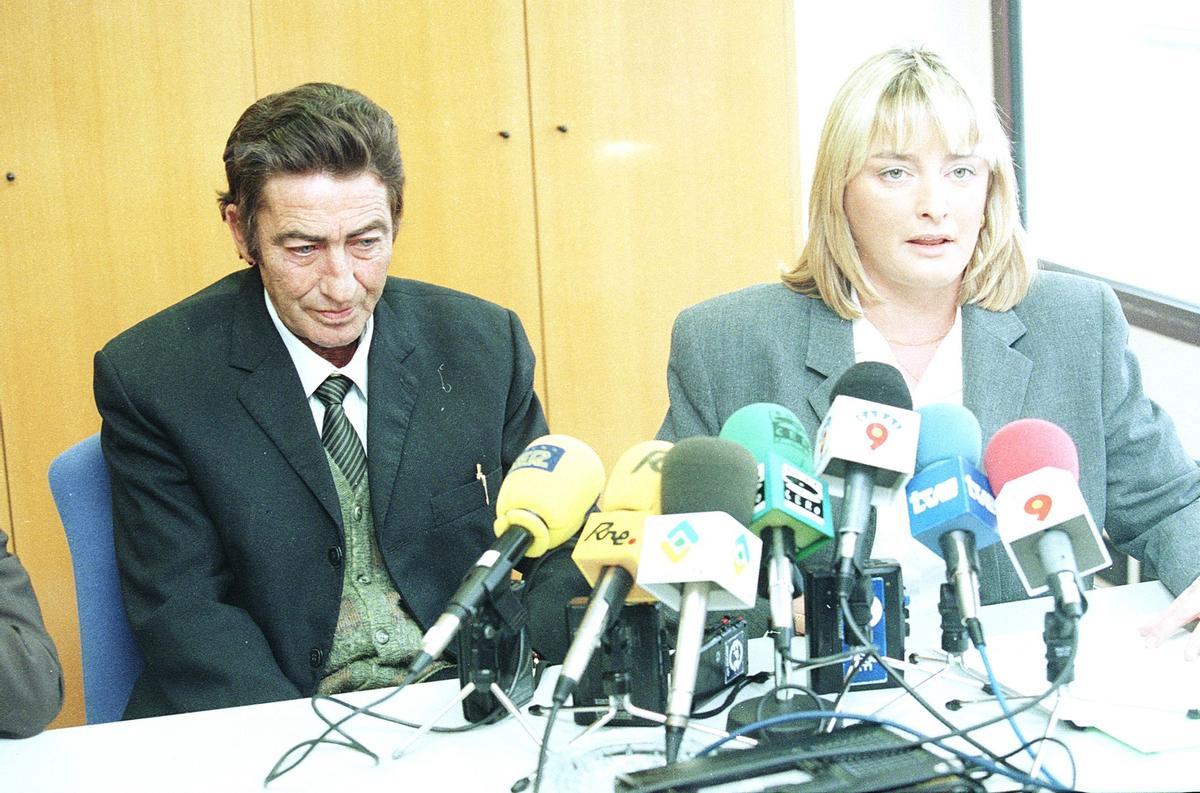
point(1137, 695)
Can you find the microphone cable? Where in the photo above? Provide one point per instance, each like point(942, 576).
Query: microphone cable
point(544, 749)
point(758, 677)
point(1061, 744)
point(1033, 702)
point(854, 669)
point(350, 742)
point(281, 767)
point(965, 732)
point(999, 692)
point(734, 690)
point(848, 618)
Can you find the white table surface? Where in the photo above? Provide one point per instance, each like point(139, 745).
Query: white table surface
point(233, 749)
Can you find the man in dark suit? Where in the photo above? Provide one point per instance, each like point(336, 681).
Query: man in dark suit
point(31, 683)
point(258, 561)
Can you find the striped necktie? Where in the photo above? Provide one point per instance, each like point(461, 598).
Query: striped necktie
point(337, 434)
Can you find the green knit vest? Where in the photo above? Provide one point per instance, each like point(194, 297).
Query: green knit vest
point(375, 637)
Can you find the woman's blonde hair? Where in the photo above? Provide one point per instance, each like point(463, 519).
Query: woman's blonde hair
point(880, 104)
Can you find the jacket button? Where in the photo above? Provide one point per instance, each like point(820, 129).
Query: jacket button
point(315, 657)
point(335, 556)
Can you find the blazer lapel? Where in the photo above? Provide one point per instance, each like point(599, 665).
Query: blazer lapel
point(830, 353)
point(995, 376)
point(274, 397)
point(391, 398)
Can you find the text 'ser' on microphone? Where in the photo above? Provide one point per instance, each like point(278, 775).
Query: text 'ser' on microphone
point(608, 552)
point(791, 513)
point(699, 554)
point(866, 449)
point(1041, 515)
point(541, 504)
point(950, 505)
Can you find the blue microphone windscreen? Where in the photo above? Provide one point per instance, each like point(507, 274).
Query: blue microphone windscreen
point(948, 430)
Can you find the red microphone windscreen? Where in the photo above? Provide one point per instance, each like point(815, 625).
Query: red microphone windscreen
point(1026, 445)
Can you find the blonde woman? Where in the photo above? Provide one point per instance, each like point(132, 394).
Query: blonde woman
point(916, 257)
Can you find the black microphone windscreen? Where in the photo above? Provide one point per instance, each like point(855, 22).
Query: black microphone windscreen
point(874, 382)
point(709, 475)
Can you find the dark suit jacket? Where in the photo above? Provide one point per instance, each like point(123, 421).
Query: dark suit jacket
point(1059, 355)
point(227, 525)
point(31, 682)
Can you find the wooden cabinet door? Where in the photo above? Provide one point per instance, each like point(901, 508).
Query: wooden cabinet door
point(114, 117)
point(664, 159)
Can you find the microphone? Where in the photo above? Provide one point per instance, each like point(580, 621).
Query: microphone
point(866, 447)
point(1041, 516)
point(608, 551)
point(790, 508)
point(699, 554)
point(542, 502)
point(950, 505)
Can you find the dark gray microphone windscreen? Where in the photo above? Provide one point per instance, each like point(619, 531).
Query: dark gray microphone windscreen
point(709, 475)
point(874, 382)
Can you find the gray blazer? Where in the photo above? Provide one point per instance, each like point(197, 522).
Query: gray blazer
point(31, 682)
point(1059, 355)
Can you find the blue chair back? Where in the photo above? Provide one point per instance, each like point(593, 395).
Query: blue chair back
point(82, 492)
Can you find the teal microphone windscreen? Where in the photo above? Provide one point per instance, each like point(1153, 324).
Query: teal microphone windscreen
point(763, 428)
point(789, 496)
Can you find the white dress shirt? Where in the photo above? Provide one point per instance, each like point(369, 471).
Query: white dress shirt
point(313, 370)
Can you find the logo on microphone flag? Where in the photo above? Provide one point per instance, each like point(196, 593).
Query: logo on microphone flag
point(679, 541)
point(543, 456)
point(741, 556)
point(879, 424)
point(708, 547)
point(856, 431)
point(785, 429)
point(877, 434)
point(1026, 510)
point(1039, 505)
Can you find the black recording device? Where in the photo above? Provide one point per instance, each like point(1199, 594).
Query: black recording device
point(862, 757)
point(884, 615)
point(723, 656)
point(634, 657)
point(493, 648)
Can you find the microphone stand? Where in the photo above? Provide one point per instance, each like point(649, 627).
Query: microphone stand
point(618, 681)
point(1061, 636)
point(488, 634)
point(630, 655)
point(785, 699)
point(620, 703)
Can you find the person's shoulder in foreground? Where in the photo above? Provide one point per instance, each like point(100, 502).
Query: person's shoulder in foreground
point(31, 682)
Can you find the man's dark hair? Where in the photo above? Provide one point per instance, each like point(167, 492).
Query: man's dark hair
point(313, 128)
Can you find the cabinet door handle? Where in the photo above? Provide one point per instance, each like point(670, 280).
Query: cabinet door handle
point(562, 127)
